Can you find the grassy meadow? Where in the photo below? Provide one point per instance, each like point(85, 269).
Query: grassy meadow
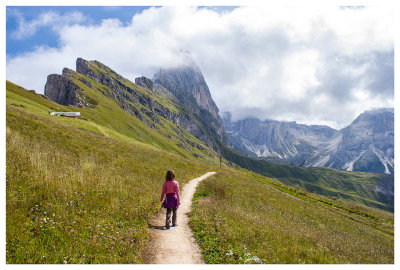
point(239, 217)
point(82, 191)
point(76, 195)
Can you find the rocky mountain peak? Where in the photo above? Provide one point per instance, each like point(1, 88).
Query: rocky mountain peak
point(145, 82)
point(82, 66)
point(67, 72)
point(378, 119)
point(188, 85)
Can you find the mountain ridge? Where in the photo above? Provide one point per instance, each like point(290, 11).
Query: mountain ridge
point(318, 145)
point(149, 101)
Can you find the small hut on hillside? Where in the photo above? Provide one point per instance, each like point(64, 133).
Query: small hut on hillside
point(67, 114)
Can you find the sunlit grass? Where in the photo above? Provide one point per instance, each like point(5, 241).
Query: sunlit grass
point(74, 196)
point(239, 219)
point(81, 191)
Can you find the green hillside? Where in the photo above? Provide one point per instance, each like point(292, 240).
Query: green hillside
point(78, 191)
point(82, 190)
point(240, 217)
point(355, 188)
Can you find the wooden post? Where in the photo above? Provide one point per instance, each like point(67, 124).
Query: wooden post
point(220, 161)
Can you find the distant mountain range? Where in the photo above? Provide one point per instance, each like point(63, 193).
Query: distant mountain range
point(366, 145)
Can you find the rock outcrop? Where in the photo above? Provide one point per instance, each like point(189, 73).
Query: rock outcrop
point(61, 89)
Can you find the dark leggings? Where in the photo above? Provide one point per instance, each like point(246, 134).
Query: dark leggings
point(168, 218)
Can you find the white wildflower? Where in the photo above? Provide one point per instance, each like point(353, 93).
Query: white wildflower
point(229, 253)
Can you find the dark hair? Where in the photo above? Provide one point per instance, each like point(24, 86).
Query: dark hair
point(170, 175)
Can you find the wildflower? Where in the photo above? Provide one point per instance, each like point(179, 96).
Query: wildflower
point(65, 262)
point(256, 259)
point(229, 253)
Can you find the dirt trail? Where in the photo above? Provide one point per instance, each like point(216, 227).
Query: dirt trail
point(177, 244)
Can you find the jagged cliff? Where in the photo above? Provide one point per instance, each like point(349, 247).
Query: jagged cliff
point(187, 104)
point(61, 89)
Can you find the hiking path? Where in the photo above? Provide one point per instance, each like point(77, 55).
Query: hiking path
point(177, 244)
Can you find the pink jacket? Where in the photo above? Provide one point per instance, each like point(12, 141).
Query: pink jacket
point(170, 187)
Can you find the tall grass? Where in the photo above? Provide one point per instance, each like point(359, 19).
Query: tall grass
point(75, 196)
point(238, 219)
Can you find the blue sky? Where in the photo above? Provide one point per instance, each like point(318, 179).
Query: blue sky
point(313, 65)
point(45, 36)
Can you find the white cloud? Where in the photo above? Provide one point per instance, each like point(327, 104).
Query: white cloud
point(300, 72)
point(304, 64)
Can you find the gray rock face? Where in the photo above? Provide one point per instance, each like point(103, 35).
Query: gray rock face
point(145, 82)
point(366, 145)
point(187, 84)
point(61, 89)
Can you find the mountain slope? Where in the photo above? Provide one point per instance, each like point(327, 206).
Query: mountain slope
point(109, 93)
point(149, 101)
point(82, 190)
point(366, 145)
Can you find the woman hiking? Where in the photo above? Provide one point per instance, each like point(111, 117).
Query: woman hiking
point(171, 188)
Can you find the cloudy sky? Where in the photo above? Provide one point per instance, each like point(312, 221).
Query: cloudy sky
point(312, 65)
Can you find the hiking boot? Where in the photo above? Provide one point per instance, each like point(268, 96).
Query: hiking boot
point(174, 225)
point(167, 225)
